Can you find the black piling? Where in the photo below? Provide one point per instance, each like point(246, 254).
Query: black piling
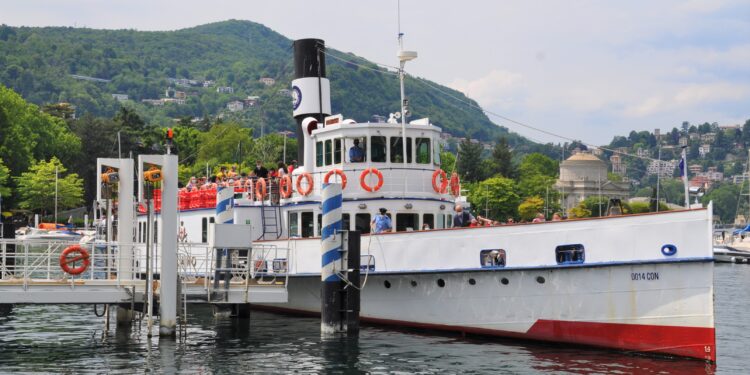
point(353, 291)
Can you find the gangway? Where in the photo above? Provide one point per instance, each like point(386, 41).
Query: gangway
point(31, 274)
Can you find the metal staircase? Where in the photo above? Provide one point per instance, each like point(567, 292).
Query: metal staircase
point(271, 220)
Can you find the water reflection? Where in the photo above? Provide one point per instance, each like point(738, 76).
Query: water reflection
point(68, 338)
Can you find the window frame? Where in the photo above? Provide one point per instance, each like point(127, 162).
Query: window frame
point(371, 154)
point(429, 149)
point(570, 254)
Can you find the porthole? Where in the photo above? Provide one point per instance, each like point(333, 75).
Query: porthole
point(540, 279)
point(472, 282)
point(413, 283)
point(387, 284)
point(504, 281)
point(441, 283)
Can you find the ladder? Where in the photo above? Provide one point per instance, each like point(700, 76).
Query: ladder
point(271, 220)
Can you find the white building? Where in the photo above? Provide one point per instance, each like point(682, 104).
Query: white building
point(664, 168)
point(584, 175)
point(235, 106)
point(704, 149)
point(120, 97)
point(225, 90)
point(267, 81)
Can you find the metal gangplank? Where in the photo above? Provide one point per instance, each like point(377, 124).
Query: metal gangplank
point(30, 273)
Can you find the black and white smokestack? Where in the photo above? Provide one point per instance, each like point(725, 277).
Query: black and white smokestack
point(311, 90)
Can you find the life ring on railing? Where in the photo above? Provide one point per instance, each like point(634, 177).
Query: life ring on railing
point(340, 173)
point(309, 179)
point(260, 188)
point(65, 262)
point(364, 184)
point(455, 184)
point(443, 181)
point(285, 186)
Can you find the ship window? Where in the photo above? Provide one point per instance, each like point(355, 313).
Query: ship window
point(293, 224)
point(448, 221)
point(492, 258)
point(349, 144)
point(362, 223)
point(328, 152)
point(436, 155)
point(337, 151)
point(377, 145)
point(156, 231)
point(428, 219)
point(570, 254)
point(319, 154)
point(397, 150)
point(406, 222)
point(204, 230)
point(423, 150)
point(307, 224)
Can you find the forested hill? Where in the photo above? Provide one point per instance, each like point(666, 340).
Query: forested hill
point(85, 67)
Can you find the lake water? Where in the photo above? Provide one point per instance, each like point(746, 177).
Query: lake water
point(70, 339)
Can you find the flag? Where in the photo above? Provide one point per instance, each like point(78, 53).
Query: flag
point(682, 167)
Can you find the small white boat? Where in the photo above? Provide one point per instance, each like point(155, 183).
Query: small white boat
point(30, 233)
point(728, 254)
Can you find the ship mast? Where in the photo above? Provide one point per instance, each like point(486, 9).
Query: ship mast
point(403, 57)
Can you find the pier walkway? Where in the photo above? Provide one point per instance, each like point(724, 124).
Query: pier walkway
point(31, 273)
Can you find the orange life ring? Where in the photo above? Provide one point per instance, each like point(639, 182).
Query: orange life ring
point(260, 188)
point(455, 184)
point(286, 186)
point(338, 172)
point(443, 181)
point(308, 177)
point(65, 262)
point(364, 184)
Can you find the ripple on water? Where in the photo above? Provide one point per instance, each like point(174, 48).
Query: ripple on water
point(67, 338)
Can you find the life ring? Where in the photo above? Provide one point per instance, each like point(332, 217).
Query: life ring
point(309, 179)
point(286, 186)
point(455, 184)
point(364, 184)
point(443, 181)
point(260, 188)
point(82, 255)
point(340, 173)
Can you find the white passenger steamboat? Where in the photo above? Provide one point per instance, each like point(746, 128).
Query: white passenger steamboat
point(632, 282)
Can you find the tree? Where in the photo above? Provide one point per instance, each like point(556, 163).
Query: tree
point(447, 161)
point(537, 163)
point(537, 175)
point(530, 207)
point(746, 133)
point(219, 144)
point(502, 159)
point(36, 188)
point(4, 179)
point(496, 195)
point(725, 198)
point(469, 161)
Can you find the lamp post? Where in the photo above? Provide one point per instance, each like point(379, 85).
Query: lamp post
point(285, 133)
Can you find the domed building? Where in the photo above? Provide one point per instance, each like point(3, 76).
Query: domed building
point(584, 175)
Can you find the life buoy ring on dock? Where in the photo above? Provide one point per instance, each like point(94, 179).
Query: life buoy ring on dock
point(81, 254)
point(260, 188)
point(286, 186)
point(364, 184)
point(309, 179)
point(443, 181)
point(455, 184)
point(340, 173)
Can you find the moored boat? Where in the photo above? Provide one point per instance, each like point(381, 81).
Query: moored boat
point(631, 282)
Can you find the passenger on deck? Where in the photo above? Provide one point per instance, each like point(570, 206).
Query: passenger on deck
point(222, 173)
point(461, 218)
point(232, 173)
point(282, 169)
point(260, 170)
point(192, 185)
point(290, 168)
point(381, 223)
point(242, 181)
point(539, 218)
point(556, 217)
point(356, 154)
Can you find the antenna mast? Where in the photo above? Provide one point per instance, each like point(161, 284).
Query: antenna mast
point(403, 57)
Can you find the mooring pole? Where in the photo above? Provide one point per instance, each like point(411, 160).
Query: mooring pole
point(352, 288)
point(330, 296)
point(168, 237)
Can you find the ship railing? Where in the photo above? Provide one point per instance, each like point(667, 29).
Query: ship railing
point(34, 261)
point(261, 265)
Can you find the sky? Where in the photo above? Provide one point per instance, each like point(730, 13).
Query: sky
point(588, 70)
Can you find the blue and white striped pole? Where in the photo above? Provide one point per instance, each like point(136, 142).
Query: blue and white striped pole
point(330, 246)
point(224, 215)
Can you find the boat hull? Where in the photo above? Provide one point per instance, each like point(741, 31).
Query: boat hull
point(635, 307)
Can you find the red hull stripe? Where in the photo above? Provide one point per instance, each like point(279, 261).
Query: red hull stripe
point(691, 342)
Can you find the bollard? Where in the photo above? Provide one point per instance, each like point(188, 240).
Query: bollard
point(224, 215)
point(330, 296)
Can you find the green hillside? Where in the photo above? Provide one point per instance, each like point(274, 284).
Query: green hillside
point(39, 64)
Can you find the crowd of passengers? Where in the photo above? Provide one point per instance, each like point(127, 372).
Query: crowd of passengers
point(232, 177)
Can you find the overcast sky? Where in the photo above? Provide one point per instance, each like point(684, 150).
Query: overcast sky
point(589, 70)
